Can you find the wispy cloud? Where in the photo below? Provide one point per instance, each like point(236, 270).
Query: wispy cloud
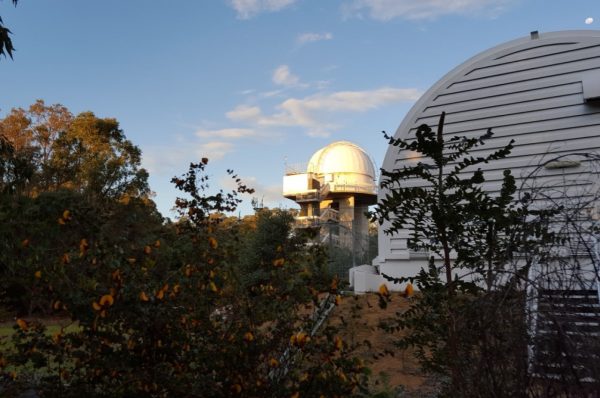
point(215, 150)
point(312, 37)
point(226, 133)
point(385, 10)
point(283, 76)
point(315, 112)
point(247, 9)
point(270, 195)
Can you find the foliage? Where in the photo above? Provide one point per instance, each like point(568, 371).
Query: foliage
point(84, 153)
point(6, 46)
point(201, 307)
point(477, 243)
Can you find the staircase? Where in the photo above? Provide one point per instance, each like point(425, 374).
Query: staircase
point(566, 339)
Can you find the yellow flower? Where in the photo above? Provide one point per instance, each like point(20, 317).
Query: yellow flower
point(409, 291)
point(338, 299)
point(83, 246)
point(339, 343)
point(383, 290)
point(236, 388)
point(248, 336)
point(22, 324)
point(213, 287)
point(107, 300)
point(38, 274)
point(66, 215)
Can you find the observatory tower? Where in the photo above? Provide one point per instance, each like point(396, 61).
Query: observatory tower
point(334, 189)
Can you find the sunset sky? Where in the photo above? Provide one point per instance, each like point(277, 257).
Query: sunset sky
point(252, 84)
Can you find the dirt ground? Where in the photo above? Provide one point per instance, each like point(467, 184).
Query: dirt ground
point(397, 373)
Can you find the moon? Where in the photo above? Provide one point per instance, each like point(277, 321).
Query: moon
point(589, 20)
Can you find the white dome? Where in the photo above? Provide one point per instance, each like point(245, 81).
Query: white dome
point(341, 157)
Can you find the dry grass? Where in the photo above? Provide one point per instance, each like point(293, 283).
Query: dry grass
point(398, 372)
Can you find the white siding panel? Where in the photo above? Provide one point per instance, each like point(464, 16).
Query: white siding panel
point(527, 90)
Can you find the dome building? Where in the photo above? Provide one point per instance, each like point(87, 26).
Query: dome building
point(335, 188)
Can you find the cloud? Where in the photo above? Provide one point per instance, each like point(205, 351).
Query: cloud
point(314, 112)
point(227, 133)
point(284, 77)
point(247, 9)
point(270, 195)
point(312, 37)
point(214, 149)
point(386, 10)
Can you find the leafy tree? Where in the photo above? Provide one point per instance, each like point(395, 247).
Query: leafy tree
point(6, 46)
point(476, 241)
point(84, 153)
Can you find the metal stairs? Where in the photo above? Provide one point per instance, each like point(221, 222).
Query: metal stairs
point(566, 339)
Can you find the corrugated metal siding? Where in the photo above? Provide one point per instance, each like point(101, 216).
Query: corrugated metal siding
point(527, 90)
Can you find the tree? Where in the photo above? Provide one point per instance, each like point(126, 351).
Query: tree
point(84, 153)
point(6, 46)
point(474, 239)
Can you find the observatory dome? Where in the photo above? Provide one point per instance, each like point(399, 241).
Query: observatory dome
point(341, 157)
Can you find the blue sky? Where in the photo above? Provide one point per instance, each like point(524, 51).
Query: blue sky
point(252, 84)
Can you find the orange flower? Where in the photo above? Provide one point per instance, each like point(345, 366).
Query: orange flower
point(96, 306)
point(61, 221)
point(25, 242)
point(273, 362)
point(157, 244)
point(66, 215)
point(56, 305)
point(213, 242)
point(65, 258)
point(38, 274)
point(147, 249)
point(22, 324)
point(338, 299)
point(143, 296)
point(409, 291)
point(278, 262)
point(248, 336)
point(160, 294)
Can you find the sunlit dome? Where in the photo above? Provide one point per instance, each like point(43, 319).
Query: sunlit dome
point(341, 157)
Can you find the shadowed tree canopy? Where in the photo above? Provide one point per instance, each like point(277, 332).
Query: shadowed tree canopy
point(6, 46)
